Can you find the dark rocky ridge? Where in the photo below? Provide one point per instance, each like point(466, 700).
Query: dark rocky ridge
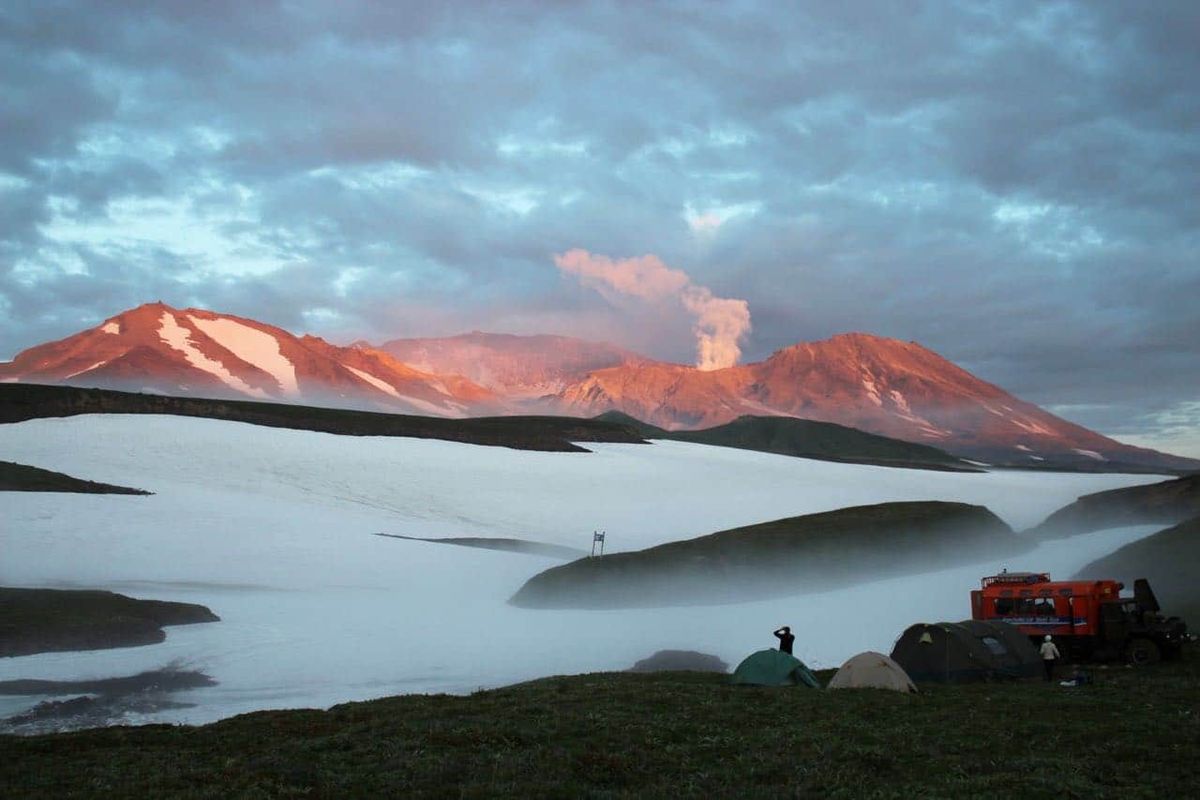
point(54, 620)
point(785, 557)
point(158, 680)
point(1164, 503)
point(19, 402)
point(23, 478)
point(805, 438)
point(105, 701)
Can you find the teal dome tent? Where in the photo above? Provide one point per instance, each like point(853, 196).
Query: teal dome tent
point(773, 668)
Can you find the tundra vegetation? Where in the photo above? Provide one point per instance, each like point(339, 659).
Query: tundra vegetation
point(1131, 734)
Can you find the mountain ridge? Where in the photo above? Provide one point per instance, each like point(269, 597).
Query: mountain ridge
point(881, 386)
point(195, 351)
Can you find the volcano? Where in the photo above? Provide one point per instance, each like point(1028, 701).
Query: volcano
point(883, 386)
point(194, 352)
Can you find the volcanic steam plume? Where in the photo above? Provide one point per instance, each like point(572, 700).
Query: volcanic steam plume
point(718, 322)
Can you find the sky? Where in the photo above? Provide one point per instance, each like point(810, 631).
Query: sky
point(1011, 184)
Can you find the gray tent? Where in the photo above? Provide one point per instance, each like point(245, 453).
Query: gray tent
point(961, 652)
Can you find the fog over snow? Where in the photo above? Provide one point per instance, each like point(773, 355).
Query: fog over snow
point(272, 530)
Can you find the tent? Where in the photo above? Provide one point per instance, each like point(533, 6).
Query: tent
point(871, 670)
point(773, 668)
point(961, 652)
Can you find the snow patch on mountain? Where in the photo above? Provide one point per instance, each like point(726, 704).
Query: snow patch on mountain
point(253, 346)
point(868, 383)
point(379, 384)
point(1031, 426)
point(111, 327)
point(180, 338)
point(937, 433)
point(86, 369)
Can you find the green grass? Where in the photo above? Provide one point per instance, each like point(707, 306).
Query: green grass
point(1131, 735)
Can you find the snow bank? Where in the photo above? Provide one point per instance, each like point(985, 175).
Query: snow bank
point(272, 529)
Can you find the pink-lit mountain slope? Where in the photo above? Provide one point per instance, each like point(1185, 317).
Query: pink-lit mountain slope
point(883, 386)
point(191, 352)
point(515, 366)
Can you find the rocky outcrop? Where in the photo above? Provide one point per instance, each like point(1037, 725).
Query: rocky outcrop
point(23, 478)
point(680, 661)
point(53, 620)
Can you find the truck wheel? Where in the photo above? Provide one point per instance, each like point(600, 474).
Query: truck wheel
point(1142, 651)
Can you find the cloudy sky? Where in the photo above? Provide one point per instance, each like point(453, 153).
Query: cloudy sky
point(1012, 184)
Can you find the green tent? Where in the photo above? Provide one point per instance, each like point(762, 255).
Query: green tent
point(773, 668)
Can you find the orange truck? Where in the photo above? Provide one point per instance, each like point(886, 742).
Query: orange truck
point(1088, 619)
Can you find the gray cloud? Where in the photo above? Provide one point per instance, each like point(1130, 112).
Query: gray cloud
point(1008, 184)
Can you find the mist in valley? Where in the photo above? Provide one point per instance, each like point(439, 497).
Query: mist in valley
point(274, 531)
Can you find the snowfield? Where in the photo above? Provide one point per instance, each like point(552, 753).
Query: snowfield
point(272, 530)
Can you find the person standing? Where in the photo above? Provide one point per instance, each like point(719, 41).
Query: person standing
point(784, 635)
point(1050, 654)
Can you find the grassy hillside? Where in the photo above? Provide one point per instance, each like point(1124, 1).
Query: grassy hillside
point(1131, 735)
point(22, 401)
point(788, 556)
point(23, 478)
point(51, 620)
point(1169, 559)
point(789, 436)
point(1167, 503)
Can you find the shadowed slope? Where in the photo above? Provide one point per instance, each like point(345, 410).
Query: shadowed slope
point(784, 557)
point(1168, 559)
point(1167, 502)
point(20, 401)
point(825, 441)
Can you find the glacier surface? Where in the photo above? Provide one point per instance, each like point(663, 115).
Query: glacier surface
point(273, 530)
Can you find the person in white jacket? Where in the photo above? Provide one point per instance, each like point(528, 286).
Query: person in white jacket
point(1050, 654)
